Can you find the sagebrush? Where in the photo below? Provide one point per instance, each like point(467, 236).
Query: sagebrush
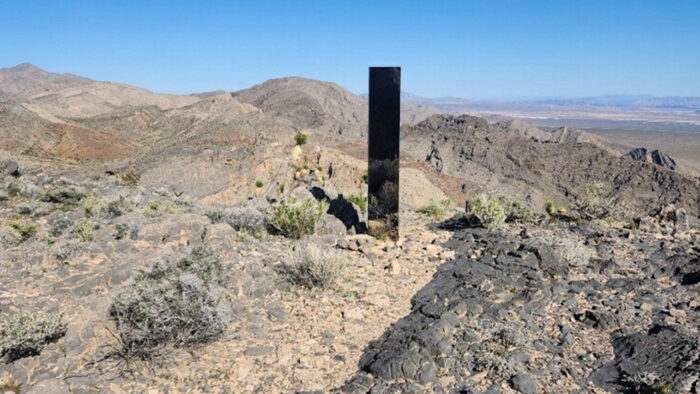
point(246, 220)
point(176, 304)
point(314, 267)
point(25, 334)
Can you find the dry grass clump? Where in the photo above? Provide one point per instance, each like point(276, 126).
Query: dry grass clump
point(177, 304)
point(130, 178)
point(314, 267)
point(25, 334)
point(295, 219)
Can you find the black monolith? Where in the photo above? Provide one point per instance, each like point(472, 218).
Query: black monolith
point(383, 177)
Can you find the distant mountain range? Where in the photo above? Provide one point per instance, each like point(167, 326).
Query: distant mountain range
point(618, 101)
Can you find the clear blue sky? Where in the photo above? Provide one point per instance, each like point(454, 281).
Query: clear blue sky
point(482, 49)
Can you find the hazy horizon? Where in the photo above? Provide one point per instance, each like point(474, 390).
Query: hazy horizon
point(442, 97)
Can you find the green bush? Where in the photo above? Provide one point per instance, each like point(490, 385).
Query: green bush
point(172, 304)
point(122, 230)
point(204, 262)
point(435, 210)
point(301, 138)
point(24, 334)
point(83, 230)
point(488, 210)
point(358, 199)
point(314, 267)
point(365, 176)
point(491, 211)
point(65, 195)
point(118, 207)
point(591, 205)
point(259, 184)
point(156, 208)
point(215, 216)
point(25, 230)
point(593, 189)
point(295, 219)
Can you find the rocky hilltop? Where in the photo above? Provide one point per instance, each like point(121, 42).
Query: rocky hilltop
point(215, 243)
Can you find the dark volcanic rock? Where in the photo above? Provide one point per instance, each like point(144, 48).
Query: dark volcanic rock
point(663, 357)
point(657, 157)
point(439, 337)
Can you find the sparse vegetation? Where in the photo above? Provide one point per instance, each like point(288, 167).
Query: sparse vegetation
point(593, 189)
point(647, 383)
point(435, 210)
point(488, 210)
point(314, 267)
point(573, 251)
point(215, 216)
point(246, 220)
point(358, 199)
point(259, 183)
point(131, 178)
point(118, 207)
point(65, 195)
point(592, 205)
point(9, 237)
point(83, 231)
point(121, 231)
point(25, 334)
point(172, 304)
point(92, 205)
point(8, 384)
point(59, 226)
point(295, 219)
point(25, 230)
point(491, 211)
point(157, 208)
point(204, 262)
point(301, 138)
point(365, 176)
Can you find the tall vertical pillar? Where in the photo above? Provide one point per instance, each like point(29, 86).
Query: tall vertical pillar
point(383, 177)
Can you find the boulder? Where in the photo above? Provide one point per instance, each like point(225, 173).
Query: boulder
point(357, 242)
point(9, 167)
point(523, 383)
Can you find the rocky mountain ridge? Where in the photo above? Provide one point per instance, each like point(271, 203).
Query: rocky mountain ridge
point(529, 261)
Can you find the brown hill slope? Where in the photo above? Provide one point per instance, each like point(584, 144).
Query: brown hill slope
point(58, 96)
point(309, 104)
point(488, 157)
point(26, 79)
point(22, 131)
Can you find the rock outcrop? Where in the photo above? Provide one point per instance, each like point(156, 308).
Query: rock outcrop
point(656, 157)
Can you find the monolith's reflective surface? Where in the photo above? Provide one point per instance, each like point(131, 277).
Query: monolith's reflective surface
point(383, 179)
